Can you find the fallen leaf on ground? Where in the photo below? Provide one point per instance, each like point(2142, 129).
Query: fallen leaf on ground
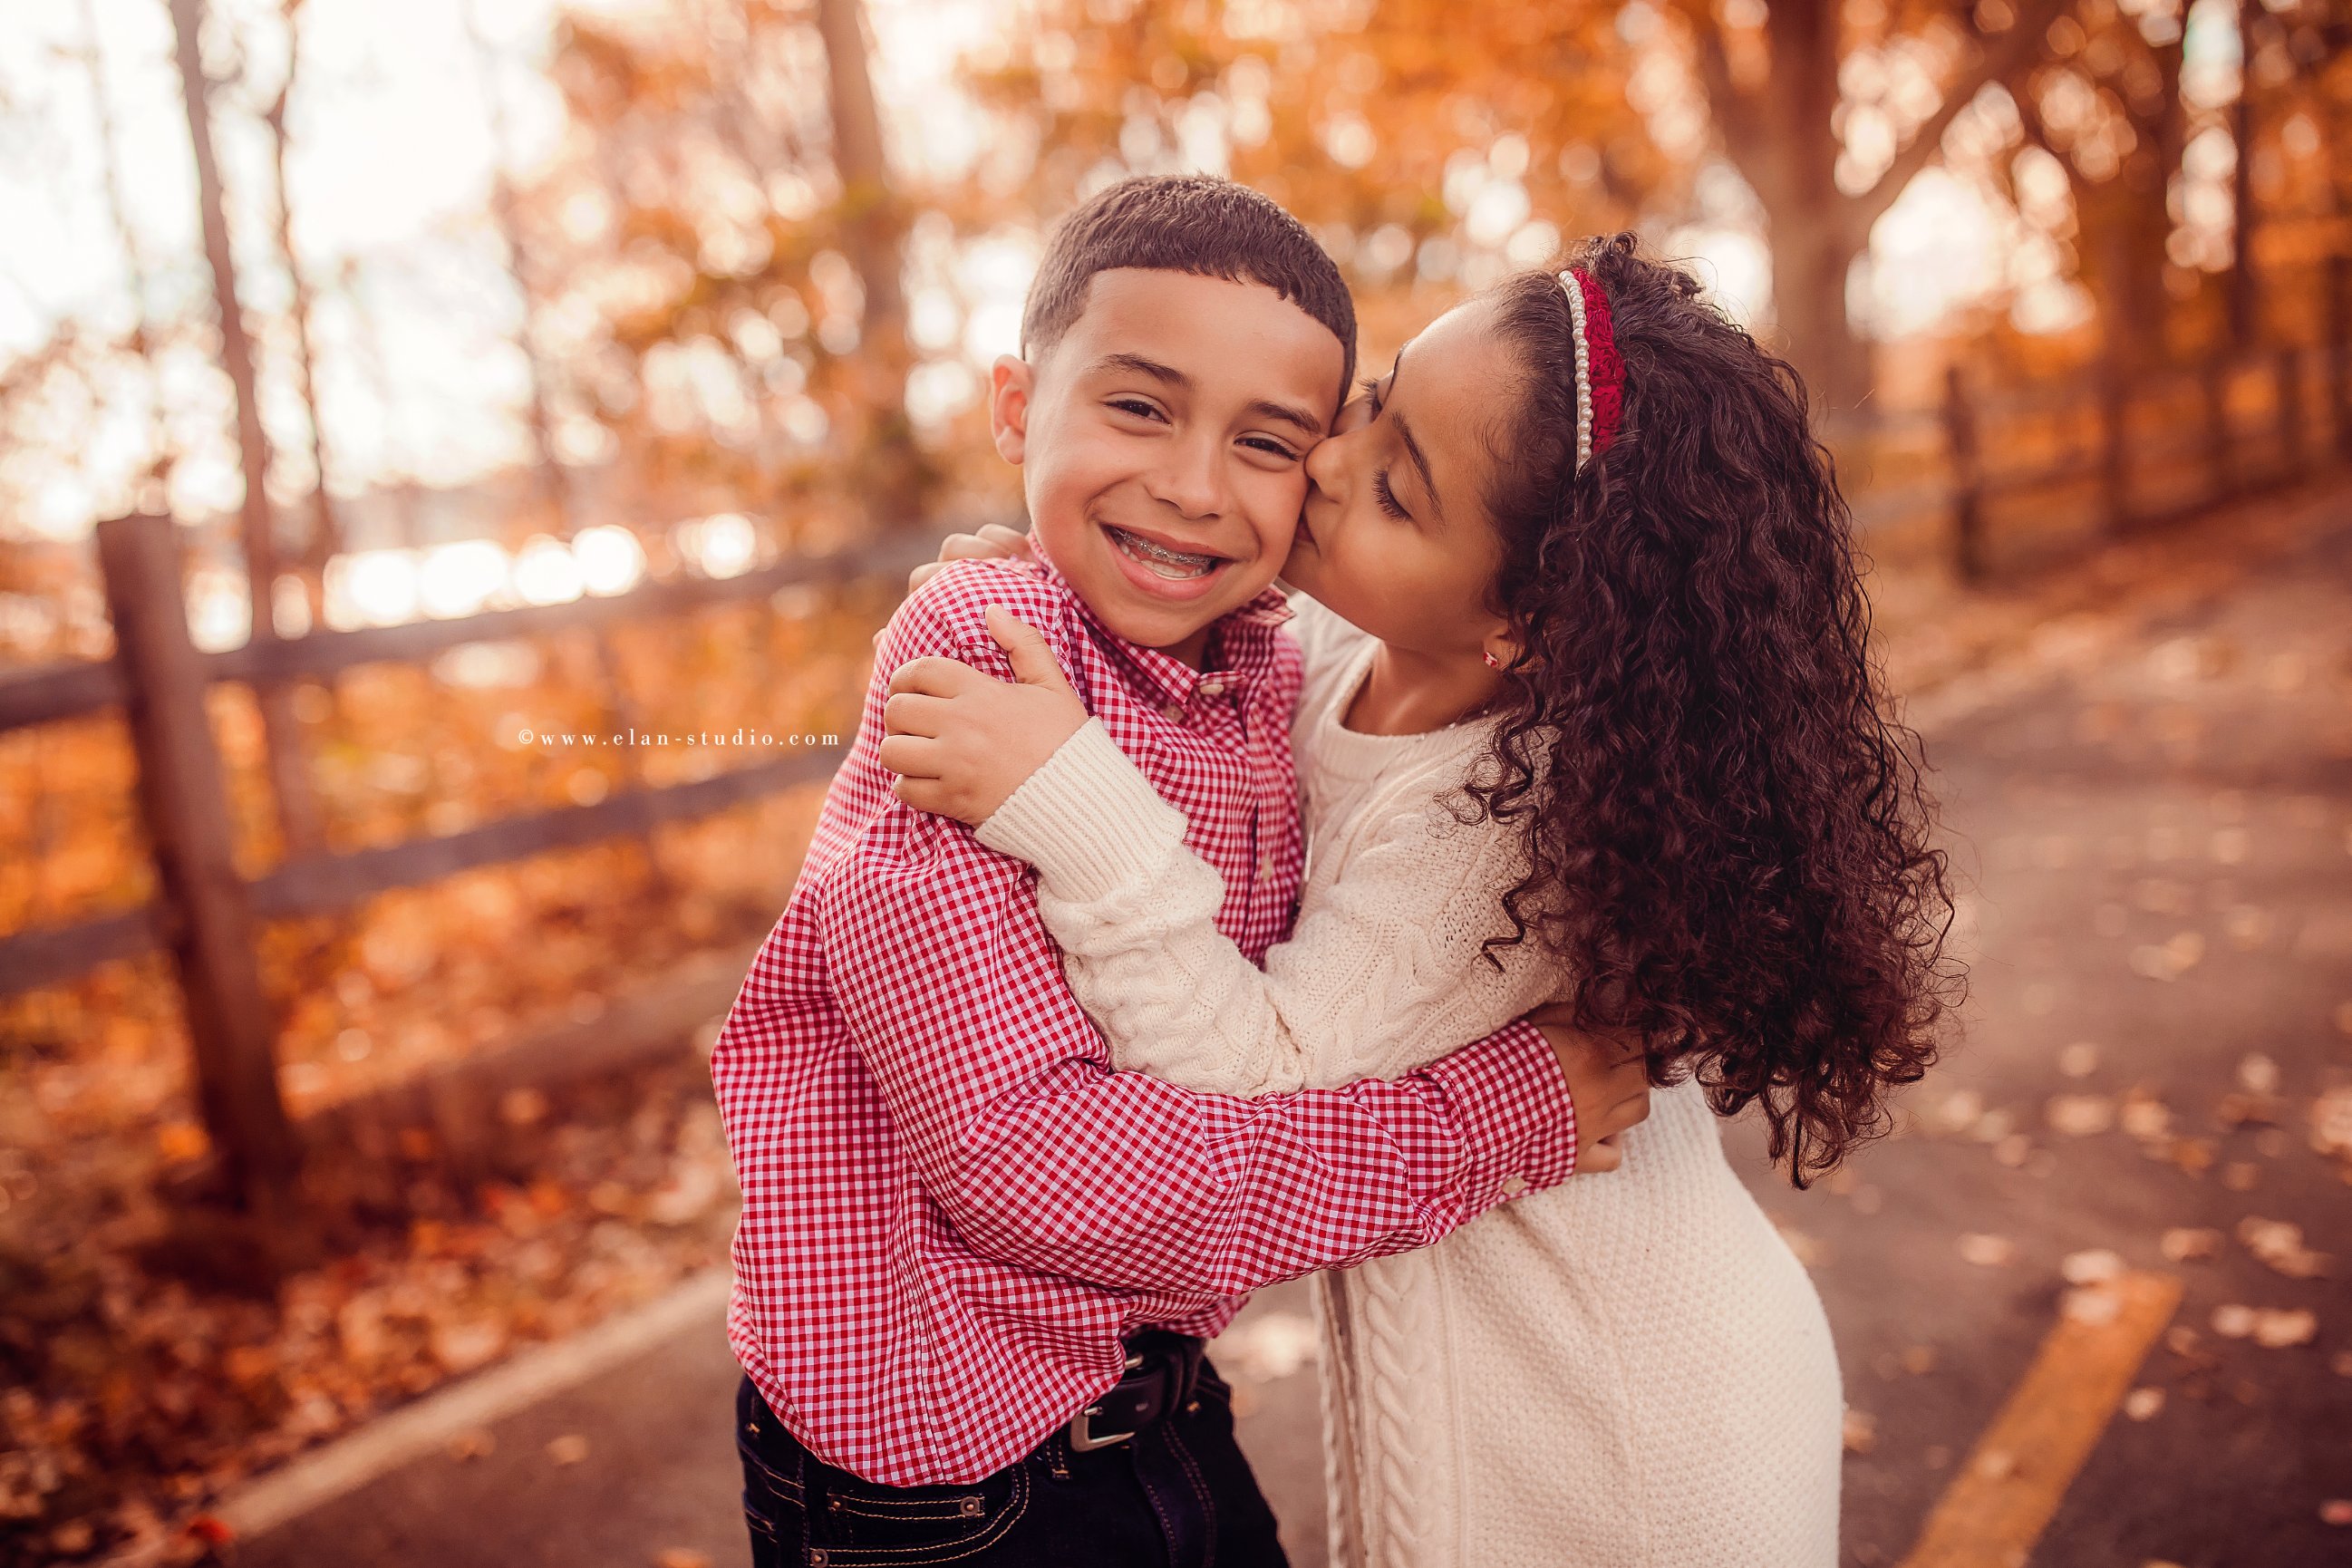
point(2257, 1073)
point(2279, 1245)
point(2233, 1320)
point(2182, 1244)
point(1956, 1111)
point(2331, 1121)
point(2142, 1404)
point(2144, 1116)
point(2278, 1329)
point(1987, 1251)
point(568, 1450)
point(2080, 1115)
point(2094, 1267)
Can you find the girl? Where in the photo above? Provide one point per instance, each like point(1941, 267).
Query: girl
point(1588, 714)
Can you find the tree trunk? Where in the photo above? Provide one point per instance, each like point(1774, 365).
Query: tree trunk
point(874, 232)
point(554, 482)
point(298, 807)
point(2244, 300)
point(1813, 241)
point(154, 486)
point(325, 538)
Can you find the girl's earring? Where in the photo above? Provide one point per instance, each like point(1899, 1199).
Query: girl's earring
point(1492, 662)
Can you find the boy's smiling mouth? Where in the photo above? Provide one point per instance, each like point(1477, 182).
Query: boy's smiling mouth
point(1162, 561)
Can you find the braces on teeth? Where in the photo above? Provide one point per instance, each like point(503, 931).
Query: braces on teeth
point(1159, 554)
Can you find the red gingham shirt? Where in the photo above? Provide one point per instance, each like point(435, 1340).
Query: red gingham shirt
point(952, 1207)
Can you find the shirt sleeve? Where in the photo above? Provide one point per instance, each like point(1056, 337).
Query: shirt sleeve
point(1041, 1155)
point(1364, 986)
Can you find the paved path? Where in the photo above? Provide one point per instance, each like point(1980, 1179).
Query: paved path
point(2159, 855)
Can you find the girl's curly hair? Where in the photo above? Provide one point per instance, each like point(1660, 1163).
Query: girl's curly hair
point(1726, 836)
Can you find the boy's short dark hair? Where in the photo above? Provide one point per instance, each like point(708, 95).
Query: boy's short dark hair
point(1185, 223)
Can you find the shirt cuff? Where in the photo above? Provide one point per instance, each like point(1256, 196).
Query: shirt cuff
point(1518, 1123)
point(1089, 820)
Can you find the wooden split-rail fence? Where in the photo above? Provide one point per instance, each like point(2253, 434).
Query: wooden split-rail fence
point(1999, 479)
point(206, 914)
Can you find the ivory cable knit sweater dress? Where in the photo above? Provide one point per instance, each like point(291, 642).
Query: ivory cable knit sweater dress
point(1629, 1371)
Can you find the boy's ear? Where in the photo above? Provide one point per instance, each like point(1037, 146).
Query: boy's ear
point(1011, 381)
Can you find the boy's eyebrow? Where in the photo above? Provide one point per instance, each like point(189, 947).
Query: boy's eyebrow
point(1289, 413)
point(1169, 375)
point(1142, 366)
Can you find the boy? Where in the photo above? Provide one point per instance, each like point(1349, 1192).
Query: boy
point(976, 1267)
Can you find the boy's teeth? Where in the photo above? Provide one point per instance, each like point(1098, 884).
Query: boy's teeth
point(1161, 561)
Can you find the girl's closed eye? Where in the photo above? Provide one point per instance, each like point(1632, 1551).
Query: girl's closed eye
point(1385, 495)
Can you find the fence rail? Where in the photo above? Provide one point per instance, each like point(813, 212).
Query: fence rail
point(207, 915)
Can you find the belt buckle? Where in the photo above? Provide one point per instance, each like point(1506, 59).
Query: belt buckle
point(1083, 1437)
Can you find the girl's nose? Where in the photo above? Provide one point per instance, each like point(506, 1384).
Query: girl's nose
point(1327, 463)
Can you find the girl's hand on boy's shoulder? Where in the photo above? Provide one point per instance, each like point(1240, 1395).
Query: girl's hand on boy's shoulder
point(1608, 1081)
point(994, 541)
point(961, 741)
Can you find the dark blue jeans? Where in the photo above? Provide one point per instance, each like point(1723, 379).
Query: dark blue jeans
point(1178, 1495)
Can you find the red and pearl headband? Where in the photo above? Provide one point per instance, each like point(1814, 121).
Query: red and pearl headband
point(1599, 374)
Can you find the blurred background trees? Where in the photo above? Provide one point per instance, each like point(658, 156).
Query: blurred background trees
point(417, 312)
point(753, 255)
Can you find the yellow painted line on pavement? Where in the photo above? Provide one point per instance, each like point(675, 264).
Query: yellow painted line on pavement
point(2003, 1498)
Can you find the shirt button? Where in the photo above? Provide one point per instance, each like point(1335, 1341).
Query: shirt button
point(1265, 867)
point(1514, 1184)
point(1212, 687)
point(1173, 712)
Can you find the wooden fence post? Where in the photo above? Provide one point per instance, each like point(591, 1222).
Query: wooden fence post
point(185, 807)
point(2291, 444)
point(1968, 480)
point(2115, 448)
point(2339, 351)
point(2215, 378)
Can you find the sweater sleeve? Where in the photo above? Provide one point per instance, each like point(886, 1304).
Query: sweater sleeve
point(1371, 970)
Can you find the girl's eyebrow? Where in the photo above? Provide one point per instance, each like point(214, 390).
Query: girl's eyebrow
point(1412, 447)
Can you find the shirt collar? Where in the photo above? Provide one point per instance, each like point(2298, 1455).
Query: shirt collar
point(1241, 648)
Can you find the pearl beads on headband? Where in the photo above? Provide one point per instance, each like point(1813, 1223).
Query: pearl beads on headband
point(1582, 332)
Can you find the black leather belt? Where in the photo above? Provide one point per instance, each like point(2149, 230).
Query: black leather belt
point(1161, 1368)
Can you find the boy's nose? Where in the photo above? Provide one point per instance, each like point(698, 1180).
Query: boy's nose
point(1193, 480)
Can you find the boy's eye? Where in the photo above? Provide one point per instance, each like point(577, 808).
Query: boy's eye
point(1271, 447)
point(1137, 406)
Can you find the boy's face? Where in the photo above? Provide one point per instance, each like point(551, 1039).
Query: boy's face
point(1162, 444)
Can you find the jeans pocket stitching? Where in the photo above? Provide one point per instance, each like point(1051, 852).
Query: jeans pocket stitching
point(1199, 1489)
point(907, 1511)
point(987, 1535)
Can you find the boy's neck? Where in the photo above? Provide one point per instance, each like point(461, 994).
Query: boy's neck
point(1193, 650)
